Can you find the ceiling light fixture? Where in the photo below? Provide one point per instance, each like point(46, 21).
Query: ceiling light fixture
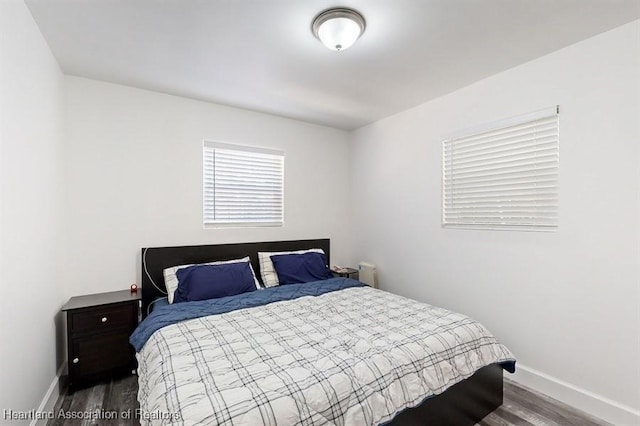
point(338, 28)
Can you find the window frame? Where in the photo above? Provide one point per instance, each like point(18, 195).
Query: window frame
point(546, 113)
point(215, 145)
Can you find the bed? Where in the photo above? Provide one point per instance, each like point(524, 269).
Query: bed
point(326, 352)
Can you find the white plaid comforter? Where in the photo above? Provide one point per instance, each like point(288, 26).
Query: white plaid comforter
point(356, 356)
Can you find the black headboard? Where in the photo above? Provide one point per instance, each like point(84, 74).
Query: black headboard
point(156, 259)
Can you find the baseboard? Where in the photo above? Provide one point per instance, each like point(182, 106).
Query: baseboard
point(589, 402)
point(48, 403)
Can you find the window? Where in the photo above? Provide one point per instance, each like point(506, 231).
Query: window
point(504, 176)
point(242, 185)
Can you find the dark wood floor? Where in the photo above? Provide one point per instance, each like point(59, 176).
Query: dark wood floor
point(522, 406)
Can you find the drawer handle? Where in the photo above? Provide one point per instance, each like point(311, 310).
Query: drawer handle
point(104, 319)
point(76, 360)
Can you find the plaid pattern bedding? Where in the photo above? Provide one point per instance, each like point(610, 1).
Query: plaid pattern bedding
point(356, 356)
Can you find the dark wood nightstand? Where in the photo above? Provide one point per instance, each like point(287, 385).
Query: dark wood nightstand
point(345, 272)
point(98, 330)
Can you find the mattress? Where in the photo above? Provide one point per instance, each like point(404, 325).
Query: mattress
point(333, 352)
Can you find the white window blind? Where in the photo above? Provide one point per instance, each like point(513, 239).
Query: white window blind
point(503, 176)
point(242, 185)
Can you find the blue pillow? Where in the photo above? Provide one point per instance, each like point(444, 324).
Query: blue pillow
point(301, 268)
point(202, 282)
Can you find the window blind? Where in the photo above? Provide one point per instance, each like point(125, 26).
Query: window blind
point(242, 185)
point(503, 176)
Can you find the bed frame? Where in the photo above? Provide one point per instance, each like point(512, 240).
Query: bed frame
point(465, 403)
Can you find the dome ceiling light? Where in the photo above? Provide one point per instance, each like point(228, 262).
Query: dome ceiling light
point(338, 28)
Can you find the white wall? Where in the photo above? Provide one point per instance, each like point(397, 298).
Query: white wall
point(566, 303)
point(134, 178)
point(30, 209)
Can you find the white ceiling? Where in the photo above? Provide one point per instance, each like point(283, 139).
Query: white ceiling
point(261, 55)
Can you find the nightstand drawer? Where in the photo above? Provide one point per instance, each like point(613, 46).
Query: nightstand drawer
point(104, 318)
point(94, 355)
